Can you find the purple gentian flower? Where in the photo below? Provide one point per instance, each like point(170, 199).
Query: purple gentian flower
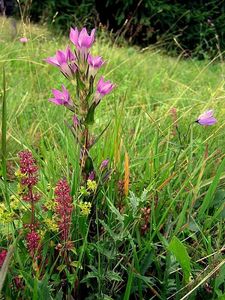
point(206, 118)
point(61, 98)
point(82, 39)
point(94, 63)
point(103, 88)
point(104, 164)
point(91, 175)
point(65, 61)
point(23, 40)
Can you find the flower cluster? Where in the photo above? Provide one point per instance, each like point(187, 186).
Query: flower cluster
point(85, 208)
point(64, 208)
point(83, 66)
point(5, 215)
point(29, 179)
point(79, 66)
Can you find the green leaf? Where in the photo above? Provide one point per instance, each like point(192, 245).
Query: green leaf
point(211, 190)
point(180, 252)
point(90, 118)
point(114, 276)
point(26, 218)
point(61, 268)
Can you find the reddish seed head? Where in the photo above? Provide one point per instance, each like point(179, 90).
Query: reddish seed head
point(3, 254)
point(33, 242)
point(64, 207)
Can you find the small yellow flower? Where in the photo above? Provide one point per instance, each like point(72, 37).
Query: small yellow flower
point(21, 189)
point(85, 208)
point(83, 191)
point(51, 224)
point(91, 185)
point(19, 174)
point(16, 204)
point(50, 204)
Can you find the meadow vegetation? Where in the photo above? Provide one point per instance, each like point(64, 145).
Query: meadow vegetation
point(155, 228)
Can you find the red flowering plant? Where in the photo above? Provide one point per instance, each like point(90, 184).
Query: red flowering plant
point(29, 179)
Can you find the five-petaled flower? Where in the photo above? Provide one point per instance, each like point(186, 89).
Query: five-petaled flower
point(95, 62)
point(103, 88)
point(61, 98)
point(65, 61)
point(206, 119)
point(82, 40)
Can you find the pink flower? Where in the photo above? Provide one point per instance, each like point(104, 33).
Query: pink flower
point(61, 98)
point(3, 254)
point(95, 61)
point(94, 64)
point(103, 88)
point(206, 118)
point(65, 61)
point(82, 40)
point(104, 164)
point(64, 207)
point(23, 40)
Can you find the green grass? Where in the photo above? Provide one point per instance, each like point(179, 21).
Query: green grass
point(184, 183)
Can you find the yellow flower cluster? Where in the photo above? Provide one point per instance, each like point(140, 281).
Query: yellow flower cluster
point(92, 185)
point(6, 216)
point(19, 174)
point(85, 208)
point(51, 224)
point(16, 204)
point(84, 192)
point(50, 204)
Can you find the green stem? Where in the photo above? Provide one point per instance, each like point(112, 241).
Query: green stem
point(4, 131)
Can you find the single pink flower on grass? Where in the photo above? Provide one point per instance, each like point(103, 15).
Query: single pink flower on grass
point(103, 88)
point(23, 40)
point(61, 98)
point(206, 119)
point(65, 61)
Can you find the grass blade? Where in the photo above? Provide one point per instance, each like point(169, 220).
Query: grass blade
point(211, 191)
point(3, 142)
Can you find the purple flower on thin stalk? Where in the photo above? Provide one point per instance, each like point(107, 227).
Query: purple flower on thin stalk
point(65, 61)
point(23, 40)
point(82, 40)
point(76, 121)
point(206, 119)
point(95, 62)
point(91, 175)
point(61, 98)
point(104, 164)
point(103, 88)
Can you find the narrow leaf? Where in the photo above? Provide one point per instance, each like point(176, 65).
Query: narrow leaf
point(180, 252)
point(211, 190)
point(127, 174)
